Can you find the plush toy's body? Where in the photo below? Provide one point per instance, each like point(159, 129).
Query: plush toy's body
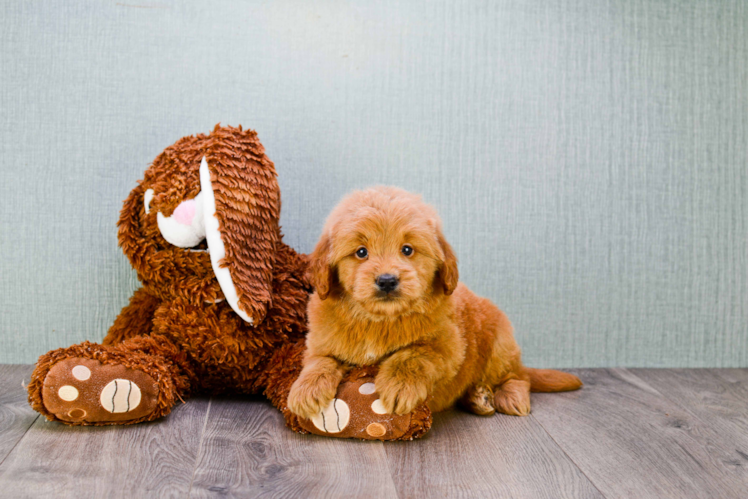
point(222, 308)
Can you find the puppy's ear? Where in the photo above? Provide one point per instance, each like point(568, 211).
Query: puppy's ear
point(320, 272)
point(447, 274)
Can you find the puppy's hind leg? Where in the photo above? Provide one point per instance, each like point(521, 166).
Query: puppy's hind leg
point(513, 397)
point(479, 399)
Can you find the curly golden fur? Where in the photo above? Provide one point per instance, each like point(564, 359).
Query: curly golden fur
point(434, 339)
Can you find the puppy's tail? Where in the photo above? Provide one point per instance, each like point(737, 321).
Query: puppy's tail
point(552, 380)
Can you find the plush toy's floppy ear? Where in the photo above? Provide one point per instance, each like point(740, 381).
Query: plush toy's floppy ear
point(241, 208)
point(320, 272)
point(448, 274)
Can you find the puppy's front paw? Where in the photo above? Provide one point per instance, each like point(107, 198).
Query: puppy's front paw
point(398, 396)
point(306, 399)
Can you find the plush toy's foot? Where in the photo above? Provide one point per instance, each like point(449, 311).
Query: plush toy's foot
point(93, 384)
point(80, 390)
point(357, 412)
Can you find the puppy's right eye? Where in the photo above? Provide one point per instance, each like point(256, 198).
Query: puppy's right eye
point(362, 252)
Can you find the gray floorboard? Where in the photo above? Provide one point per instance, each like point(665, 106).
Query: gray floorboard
point(247, 451)
point(145, 460)
point(719, 398)
point(627, 433)
point(499, 456)
point(16, 416)
point(632, 441)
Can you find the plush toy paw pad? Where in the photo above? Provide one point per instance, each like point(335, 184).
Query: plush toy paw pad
point(81, 390)
point(68, 393)
point(120, 396)
point(376, 430)
point(367, 388)
point(81, 372)
point(357, 412)
point(334, 418)
point(378, 408)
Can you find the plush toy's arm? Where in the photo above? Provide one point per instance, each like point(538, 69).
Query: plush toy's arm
point(136, 318)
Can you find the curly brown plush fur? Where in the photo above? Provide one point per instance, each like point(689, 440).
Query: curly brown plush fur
point(180, 334)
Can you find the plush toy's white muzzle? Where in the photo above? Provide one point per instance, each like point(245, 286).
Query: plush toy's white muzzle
point(186, 226)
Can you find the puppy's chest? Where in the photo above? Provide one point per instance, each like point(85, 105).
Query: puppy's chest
point(363, 353)
point(366, 349)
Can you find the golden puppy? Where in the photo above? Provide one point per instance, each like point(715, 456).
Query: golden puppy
point(387, 293)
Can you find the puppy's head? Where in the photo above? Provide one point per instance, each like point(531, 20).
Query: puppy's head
point(384, 249)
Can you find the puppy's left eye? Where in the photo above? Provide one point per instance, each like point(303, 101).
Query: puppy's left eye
point(407, 250)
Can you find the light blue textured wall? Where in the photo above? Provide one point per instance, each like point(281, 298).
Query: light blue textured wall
point(589, 158)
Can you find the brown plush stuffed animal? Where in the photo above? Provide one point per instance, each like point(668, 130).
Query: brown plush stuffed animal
point(222, 307)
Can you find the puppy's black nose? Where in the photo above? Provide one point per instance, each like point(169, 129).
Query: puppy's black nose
point(387, 282)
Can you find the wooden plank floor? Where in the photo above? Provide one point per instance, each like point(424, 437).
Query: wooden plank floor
point(627, 433)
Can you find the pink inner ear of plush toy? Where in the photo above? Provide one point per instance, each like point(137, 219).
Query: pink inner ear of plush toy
point(185, 212)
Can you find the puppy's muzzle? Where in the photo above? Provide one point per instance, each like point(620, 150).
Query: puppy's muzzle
point(387, 283)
